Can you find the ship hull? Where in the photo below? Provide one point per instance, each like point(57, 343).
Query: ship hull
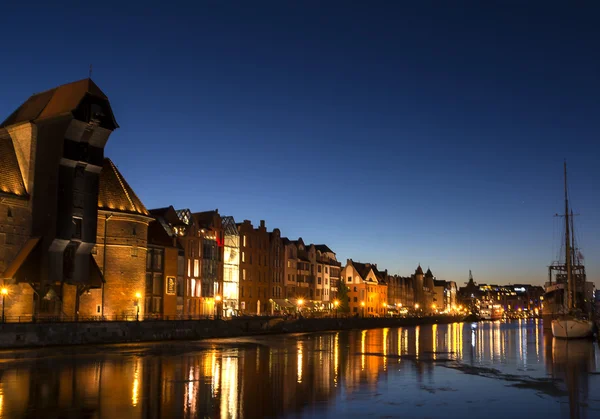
point(571, 328)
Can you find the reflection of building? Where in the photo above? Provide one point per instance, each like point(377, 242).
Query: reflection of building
point(231, 267)
point(367, 288)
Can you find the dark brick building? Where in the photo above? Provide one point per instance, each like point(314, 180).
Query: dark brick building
point(52, 152)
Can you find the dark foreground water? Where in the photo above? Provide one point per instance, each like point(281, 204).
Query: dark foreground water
point(485, 370)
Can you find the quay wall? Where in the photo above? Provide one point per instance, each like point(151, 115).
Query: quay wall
point(31, 335)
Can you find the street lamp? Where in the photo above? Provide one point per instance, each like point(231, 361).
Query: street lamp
point(4, 292)
point(384, 309)
point(138, 296)
point(218, 300)
point(362, 303)
point(300, 302)
point(336, 303)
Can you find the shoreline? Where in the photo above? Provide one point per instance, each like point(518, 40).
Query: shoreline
point(43, 335)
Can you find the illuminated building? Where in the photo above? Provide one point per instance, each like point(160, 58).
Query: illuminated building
point(231, 267)
point(254, 268)
point(51, 159)
point(165, 264)
point(367, 288)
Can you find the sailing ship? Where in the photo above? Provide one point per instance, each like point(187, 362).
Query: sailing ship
point(566, 306)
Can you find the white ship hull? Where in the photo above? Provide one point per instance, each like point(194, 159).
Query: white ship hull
point(572, 328)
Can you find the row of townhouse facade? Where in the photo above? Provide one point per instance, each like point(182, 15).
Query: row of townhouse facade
point(76, 241)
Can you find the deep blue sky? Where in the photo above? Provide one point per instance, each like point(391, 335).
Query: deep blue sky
point(394, 133)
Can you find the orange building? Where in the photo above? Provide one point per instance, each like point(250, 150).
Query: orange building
point(367, 288)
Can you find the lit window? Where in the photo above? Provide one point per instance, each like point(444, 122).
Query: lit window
point(196, 268)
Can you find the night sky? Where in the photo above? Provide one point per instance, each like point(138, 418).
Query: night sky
point(394, 133)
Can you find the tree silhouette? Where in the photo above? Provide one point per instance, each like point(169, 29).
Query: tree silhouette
point(343, 297)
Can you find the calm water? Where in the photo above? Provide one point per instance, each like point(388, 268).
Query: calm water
point(492, 370)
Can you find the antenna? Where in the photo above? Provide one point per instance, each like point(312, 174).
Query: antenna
point(90, 74)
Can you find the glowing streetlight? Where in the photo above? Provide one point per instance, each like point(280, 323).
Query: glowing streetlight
point(416, 306)
point(4, 292)
point(217, 301)
point(362, 303)
point(336, 303)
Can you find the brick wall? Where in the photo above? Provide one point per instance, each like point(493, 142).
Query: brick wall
point(125, 273)
point(14, 230)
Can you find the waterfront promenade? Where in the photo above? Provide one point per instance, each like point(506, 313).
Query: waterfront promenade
point(24, 335)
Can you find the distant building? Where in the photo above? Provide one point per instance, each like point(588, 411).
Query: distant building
point(367, 288)
point(444, 295)
point(254, 268)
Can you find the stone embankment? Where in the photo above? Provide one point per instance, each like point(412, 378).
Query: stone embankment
point(30, 335)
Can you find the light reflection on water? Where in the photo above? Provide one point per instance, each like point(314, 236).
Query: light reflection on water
point(414, 372)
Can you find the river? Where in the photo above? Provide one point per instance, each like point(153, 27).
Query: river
point(483, 370)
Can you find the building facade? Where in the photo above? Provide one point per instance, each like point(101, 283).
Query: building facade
point(254, 268)
point(53, 211)
point(367, 288)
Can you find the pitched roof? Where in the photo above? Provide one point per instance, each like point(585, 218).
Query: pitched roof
point(205, 219)
point(428, 274)
point(419, 270)
point(11, 181)
point(58, 101)
point(361, 268)
point(323, 248)
point(115, 194)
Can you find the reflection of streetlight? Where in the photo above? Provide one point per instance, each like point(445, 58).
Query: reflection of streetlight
point(4, 292)
point(336, 303)
point(138, 296)
point(362, 303)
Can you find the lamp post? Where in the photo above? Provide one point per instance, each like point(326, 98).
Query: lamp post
point(336, 303)
point(416, 308)
point(217, 301)
point(4, 294)
point(384, 309)
point(300, 302)
point(362, 303)
point(138, 297)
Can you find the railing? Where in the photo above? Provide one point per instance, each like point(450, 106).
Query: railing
point(113, 318)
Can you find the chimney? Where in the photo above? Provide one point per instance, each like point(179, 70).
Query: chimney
point(262, 223)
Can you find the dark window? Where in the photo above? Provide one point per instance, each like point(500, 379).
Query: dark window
point(326, 269)
point(134, 232)
point(9, 213)
point(157, 284)
point(157, 259)
point(319, 268)
point(349, 279)
point(355, 300)
point(179, 286)
point(319, 280)
point(77, 224)
point(149, 259)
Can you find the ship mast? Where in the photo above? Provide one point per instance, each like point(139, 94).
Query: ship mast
point(570, 285)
